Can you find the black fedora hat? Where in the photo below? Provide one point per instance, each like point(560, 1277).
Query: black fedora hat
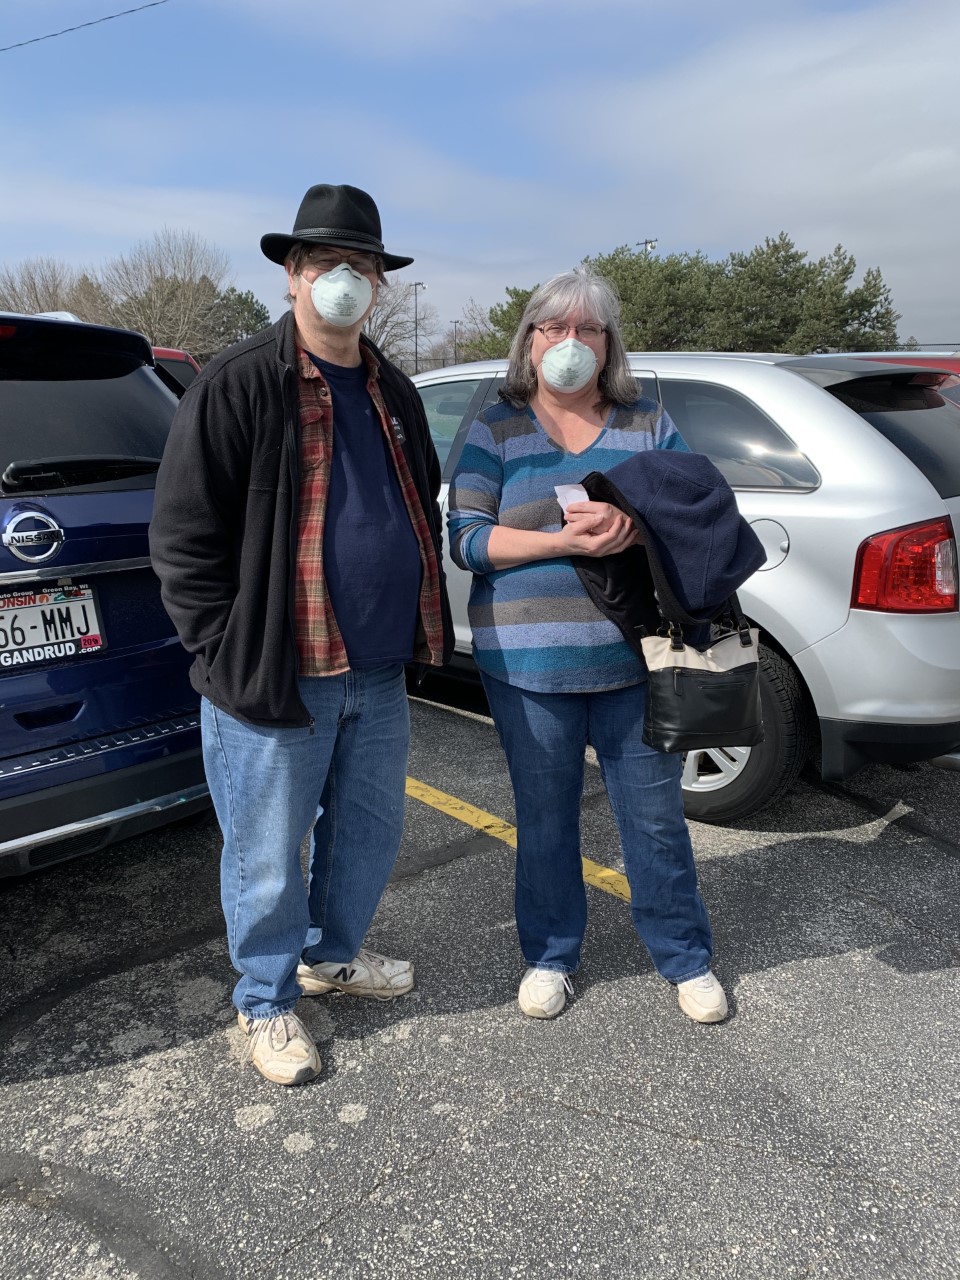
point(344, 217)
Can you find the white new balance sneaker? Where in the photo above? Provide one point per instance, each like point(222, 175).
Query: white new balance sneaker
point(543, 992)
point(281, 1048)
point(702, 999)
point(368, 974)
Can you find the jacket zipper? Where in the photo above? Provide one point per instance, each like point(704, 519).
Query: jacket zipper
point(294, 455)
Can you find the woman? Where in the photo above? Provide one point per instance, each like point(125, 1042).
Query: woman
point(558, 674)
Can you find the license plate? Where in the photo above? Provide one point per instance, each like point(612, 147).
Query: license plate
point(48, 624)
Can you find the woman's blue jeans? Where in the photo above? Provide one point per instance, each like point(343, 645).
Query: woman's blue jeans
point(544, 736)
point(343, 779)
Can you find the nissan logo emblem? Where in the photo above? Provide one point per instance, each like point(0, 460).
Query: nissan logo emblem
point(32, 536)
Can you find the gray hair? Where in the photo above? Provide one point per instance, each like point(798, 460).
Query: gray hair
point(583, 292)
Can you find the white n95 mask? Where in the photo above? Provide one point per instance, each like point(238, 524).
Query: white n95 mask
point(568, 366)
point(341, 295)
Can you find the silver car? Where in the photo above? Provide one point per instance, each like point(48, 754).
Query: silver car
point(849, 472)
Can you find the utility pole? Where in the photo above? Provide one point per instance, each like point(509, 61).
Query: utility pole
point(455, 323)
point(417, 284)
point(647, 245)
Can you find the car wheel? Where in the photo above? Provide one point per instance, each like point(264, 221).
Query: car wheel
point(726, 784)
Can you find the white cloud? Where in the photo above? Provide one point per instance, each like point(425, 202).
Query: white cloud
point(834, 130)
point(384, 29)
point(832, 126)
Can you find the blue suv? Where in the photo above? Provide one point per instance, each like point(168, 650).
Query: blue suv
point(99, 727)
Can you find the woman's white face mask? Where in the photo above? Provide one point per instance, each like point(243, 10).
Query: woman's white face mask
point(568, 366)
point(342, 295)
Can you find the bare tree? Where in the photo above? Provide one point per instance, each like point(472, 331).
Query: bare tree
point(167, 288)
point(89, 300)
point(170, 288)
point(391, 326)
point(437, 353)
point(476, 320)
point(37, 284)
point(478, 339)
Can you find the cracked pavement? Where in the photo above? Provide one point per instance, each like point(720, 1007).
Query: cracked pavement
point(814, 1134)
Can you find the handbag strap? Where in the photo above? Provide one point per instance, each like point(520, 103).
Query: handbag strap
point(728, 614)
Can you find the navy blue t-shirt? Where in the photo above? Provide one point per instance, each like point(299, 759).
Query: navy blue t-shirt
point(371, 557)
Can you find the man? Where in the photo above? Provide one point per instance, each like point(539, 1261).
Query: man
point(296, 535)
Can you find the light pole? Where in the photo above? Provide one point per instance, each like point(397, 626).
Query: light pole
point(417, 284)
point(647, 245)
point(455, 323)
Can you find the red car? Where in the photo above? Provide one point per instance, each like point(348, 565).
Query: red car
point(179, 364)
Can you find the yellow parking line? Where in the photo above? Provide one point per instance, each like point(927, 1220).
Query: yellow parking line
point(600, 877)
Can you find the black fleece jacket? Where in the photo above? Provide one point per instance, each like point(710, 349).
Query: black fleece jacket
point(224, 533)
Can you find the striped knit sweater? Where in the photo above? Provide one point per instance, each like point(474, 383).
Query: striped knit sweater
point(534, 625)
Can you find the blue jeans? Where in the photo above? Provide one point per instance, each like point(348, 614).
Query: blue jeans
point(344, 781)
point(544, 736)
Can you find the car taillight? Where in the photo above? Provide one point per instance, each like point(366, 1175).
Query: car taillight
point(909, 570)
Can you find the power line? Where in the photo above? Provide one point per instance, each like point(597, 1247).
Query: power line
point(53, 34)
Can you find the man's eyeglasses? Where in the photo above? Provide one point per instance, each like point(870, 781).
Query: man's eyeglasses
point(323, 261)
point(555, 332)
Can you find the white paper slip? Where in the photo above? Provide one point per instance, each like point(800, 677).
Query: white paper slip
point(567, 493)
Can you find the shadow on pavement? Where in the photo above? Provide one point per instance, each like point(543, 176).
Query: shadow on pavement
point(122, 954)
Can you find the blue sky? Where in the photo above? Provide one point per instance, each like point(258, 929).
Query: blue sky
point(502, 141)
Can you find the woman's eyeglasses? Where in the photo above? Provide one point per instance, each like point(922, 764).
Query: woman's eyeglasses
point(555, 332)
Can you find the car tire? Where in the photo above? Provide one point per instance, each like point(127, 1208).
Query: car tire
point(727, 784)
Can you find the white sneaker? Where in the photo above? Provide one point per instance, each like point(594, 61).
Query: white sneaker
point(702, 999)
point(281, 1048)
point(368, 974)
point(543, 992)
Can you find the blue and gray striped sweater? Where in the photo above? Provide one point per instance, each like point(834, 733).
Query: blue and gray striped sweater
point(534, 625)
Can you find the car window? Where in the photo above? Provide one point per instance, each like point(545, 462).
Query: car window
point(447, 406)
point(182, 370)
point(746, 446)
point(917, 418)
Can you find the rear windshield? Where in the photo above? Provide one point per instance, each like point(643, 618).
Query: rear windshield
point(921, 421)
point(107, 404)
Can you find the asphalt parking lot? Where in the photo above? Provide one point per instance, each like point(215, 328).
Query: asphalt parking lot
point(814, 1134)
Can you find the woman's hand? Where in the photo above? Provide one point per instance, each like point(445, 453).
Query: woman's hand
point(603, 515)
point(596, 529)
point(591, 529)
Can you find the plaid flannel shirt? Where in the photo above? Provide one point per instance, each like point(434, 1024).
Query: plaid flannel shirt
point(319, 642)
